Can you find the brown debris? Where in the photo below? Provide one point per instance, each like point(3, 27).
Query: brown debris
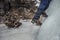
point(12, 17)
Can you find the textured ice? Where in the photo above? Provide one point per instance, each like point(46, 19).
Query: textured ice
point(50, 30)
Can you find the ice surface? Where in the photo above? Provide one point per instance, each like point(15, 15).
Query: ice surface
point(50, 30)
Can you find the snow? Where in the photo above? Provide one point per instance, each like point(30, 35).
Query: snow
point(37, 3)
point(26, 32)
point(50, 30)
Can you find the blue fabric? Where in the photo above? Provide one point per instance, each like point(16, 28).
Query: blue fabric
point(42, 7)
